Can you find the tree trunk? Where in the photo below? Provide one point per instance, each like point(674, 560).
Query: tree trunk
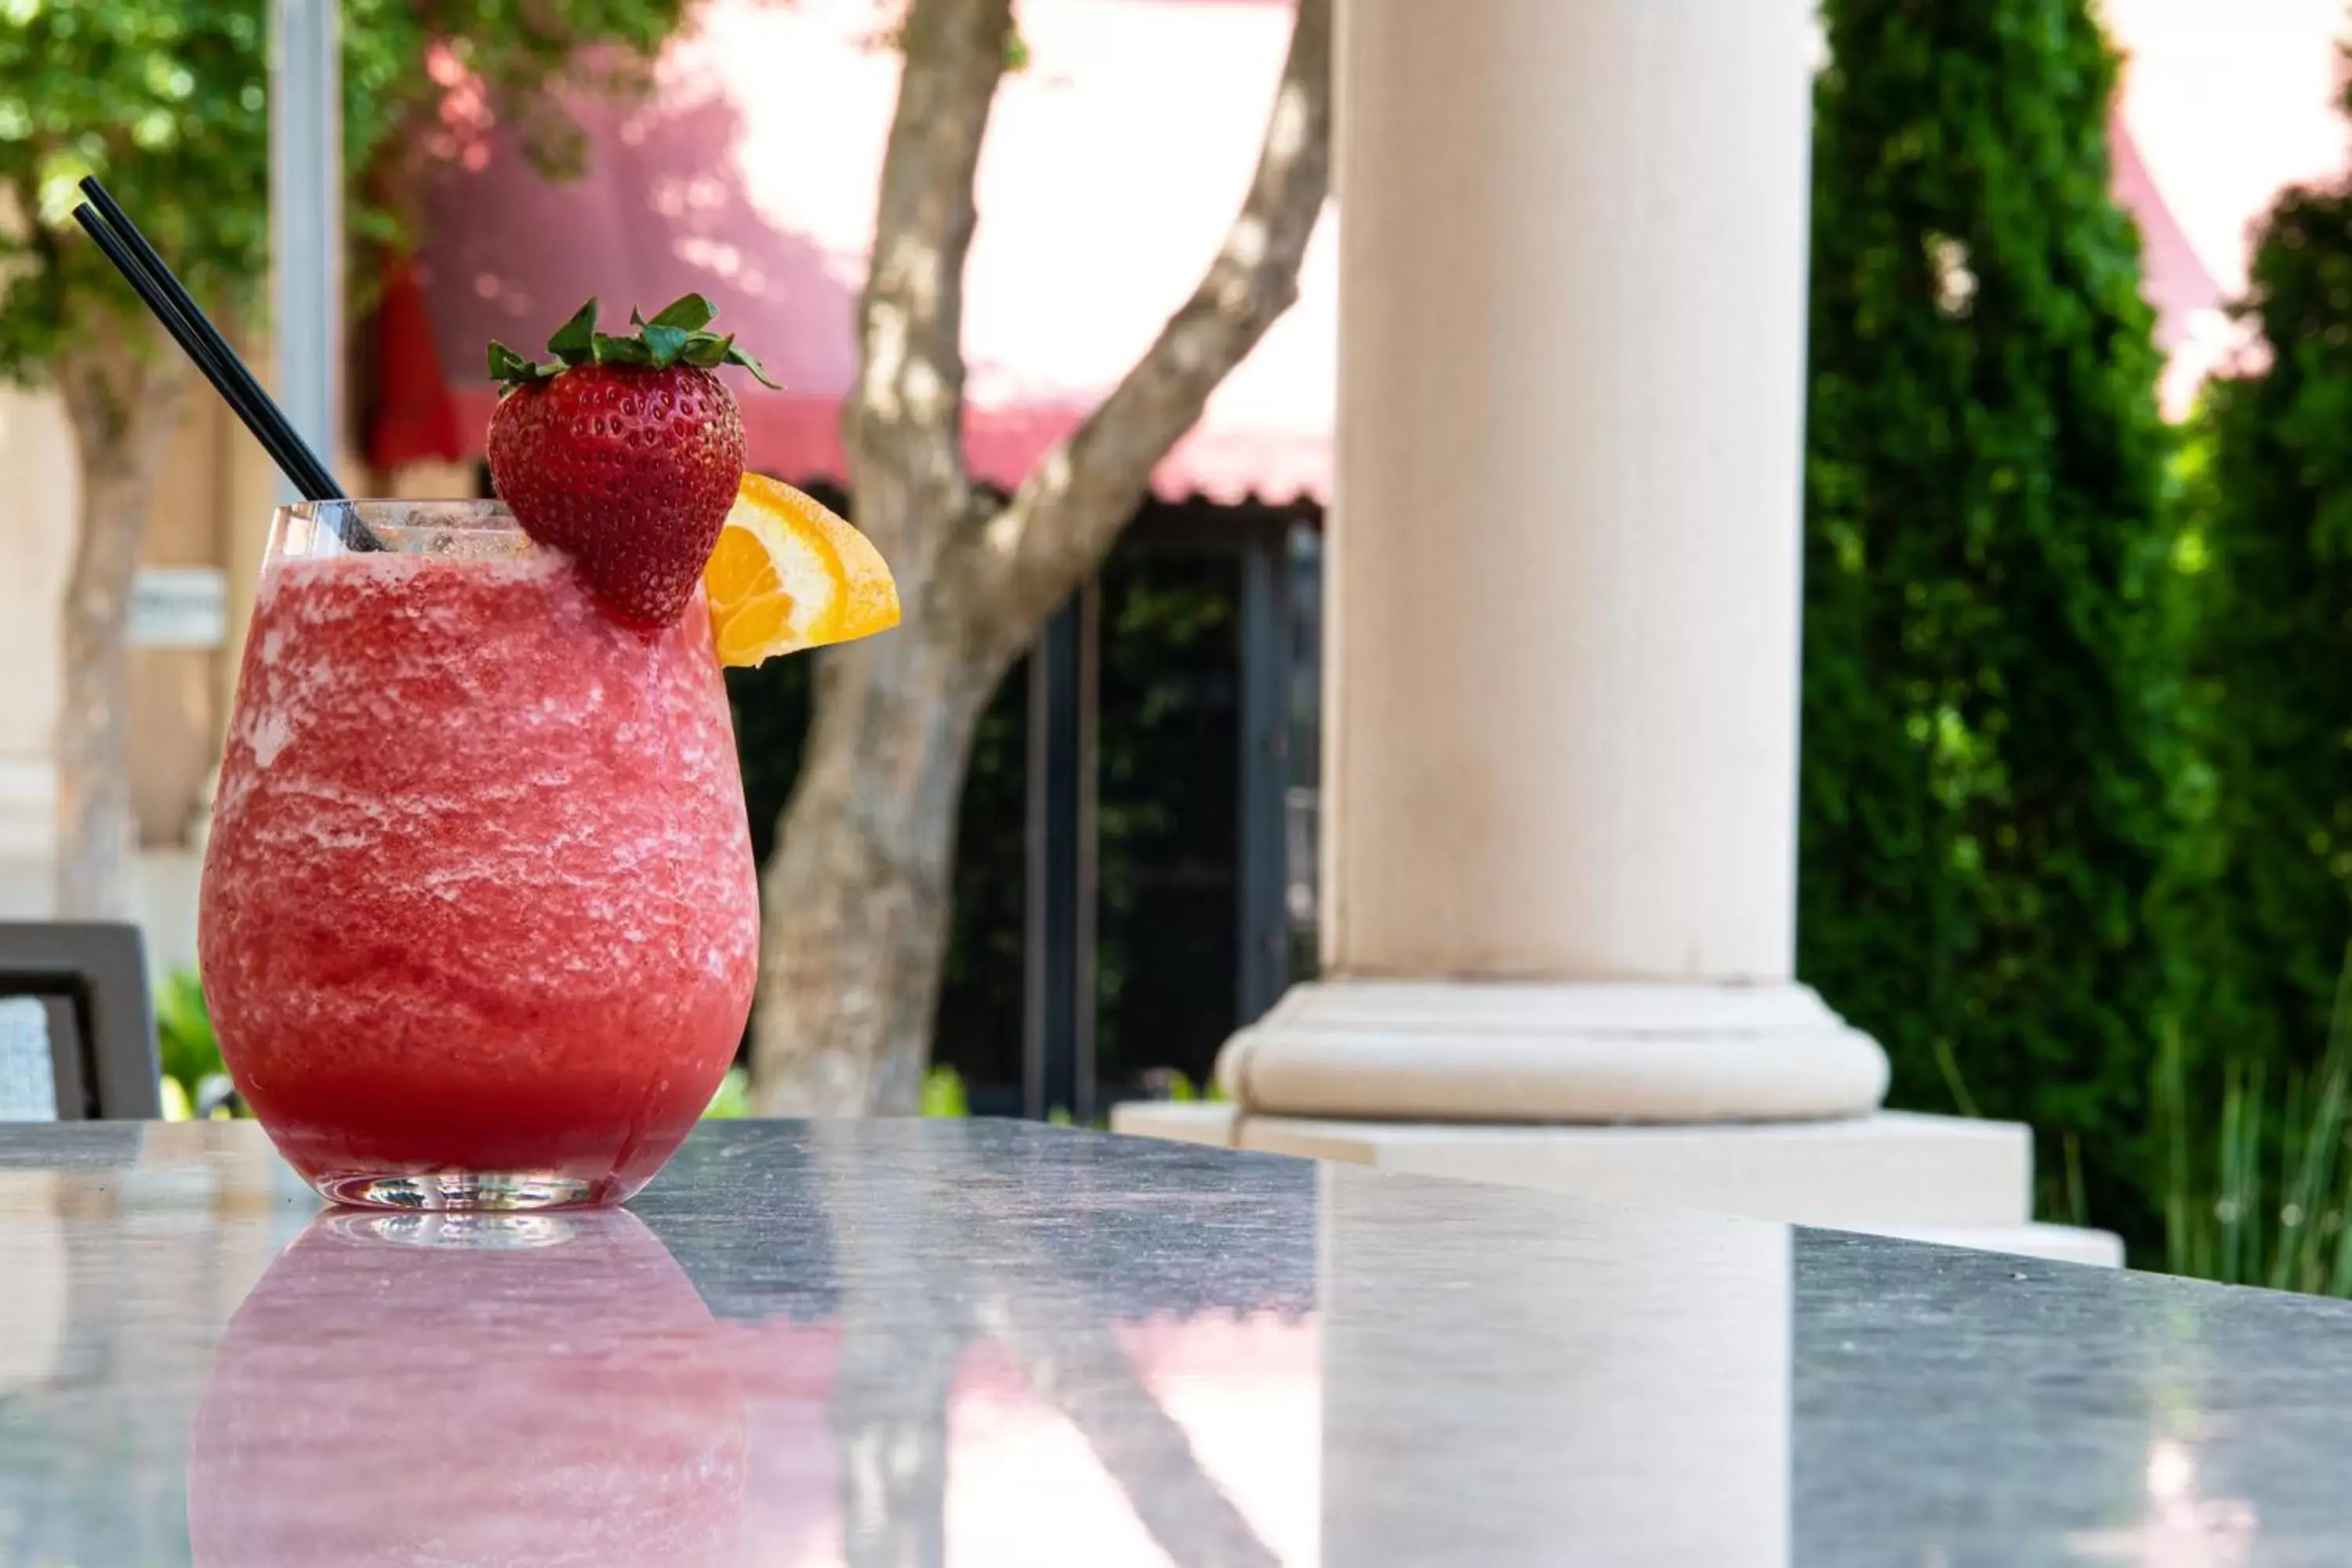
point(123, 397)
point(855, 898)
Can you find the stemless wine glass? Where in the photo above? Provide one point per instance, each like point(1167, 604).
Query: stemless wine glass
point(479, 920)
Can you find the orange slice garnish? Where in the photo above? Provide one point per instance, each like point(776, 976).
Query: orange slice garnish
point(788, 574)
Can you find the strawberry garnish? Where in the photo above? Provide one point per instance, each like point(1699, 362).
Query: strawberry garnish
point(625, 453)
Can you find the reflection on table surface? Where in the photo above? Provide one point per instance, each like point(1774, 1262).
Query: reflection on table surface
point(990, 1344)
point(424, 1388)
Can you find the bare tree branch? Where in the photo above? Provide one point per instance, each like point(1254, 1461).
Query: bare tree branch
point(856, 895)
point(1066, 515)
point(902, 424)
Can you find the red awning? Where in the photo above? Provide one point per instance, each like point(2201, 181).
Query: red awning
point(2222, 106)
point(2172, 276)
point(1115, 160)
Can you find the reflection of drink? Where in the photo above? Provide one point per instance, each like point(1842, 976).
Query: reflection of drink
point(479, 916)
point(458, 1388)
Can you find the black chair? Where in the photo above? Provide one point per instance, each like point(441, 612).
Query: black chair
point(90, 979)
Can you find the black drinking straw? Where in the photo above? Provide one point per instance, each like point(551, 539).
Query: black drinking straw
point(112, 228)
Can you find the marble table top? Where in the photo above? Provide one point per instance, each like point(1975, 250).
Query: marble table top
point(995, 1343)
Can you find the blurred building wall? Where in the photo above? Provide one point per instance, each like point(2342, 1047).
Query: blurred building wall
point(39, 492)
point(176, 711)
point(211, 512)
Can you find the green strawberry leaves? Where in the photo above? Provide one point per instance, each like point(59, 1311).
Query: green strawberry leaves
point(573, 340)
point(675, 336)
point(606, 350)
point(688, 313)
point(511, 368)
point(664, 343)
point(729, 353)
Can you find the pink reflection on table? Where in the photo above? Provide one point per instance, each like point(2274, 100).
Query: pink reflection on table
point(1025, 1487)
point(459, 1389)
point(542, 1389)
point(1246, 1395)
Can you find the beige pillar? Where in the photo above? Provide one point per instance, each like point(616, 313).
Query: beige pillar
point(1559, 786)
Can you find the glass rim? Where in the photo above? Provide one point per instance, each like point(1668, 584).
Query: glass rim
point(452, 512)
point(472, 528)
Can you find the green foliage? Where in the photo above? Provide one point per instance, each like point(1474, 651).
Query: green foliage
point(978, 1024)
point(184, 1032)
point(1981, 803)
point(1168, 740)
point(2222, 1220)
point(1168, 1084)
point(2254, 898)
point(195, 1081)
point(732, 1100)
point(943, 1094)
point(167, 100)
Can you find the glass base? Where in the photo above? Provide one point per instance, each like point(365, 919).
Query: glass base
point(475, 1191)
point(476, 1230)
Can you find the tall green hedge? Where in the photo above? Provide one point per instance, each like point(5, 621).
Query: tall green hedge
point(2255, 901)
point(1981, 803)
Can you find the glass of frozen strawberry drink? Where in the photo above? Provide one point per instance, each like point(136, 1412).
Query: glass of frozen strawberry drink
point(480, 917)
point(470, 1388)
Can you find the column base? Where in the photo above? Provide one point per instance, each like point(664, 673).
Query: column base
point(1491, 1052)
point(1943, 1179)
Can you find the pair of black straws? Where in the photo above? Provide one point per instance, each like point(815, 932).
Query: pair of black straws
point(112, 228)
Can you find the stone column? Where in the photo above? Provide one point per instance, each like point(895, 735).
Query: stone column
point(1559, 809)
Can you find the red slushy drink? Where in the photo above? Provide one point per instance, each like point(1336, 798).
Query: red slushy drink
point(479, 922)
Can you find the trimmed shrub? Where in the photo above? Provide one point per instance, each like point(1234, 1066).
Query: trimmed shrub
point(1981, 801)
